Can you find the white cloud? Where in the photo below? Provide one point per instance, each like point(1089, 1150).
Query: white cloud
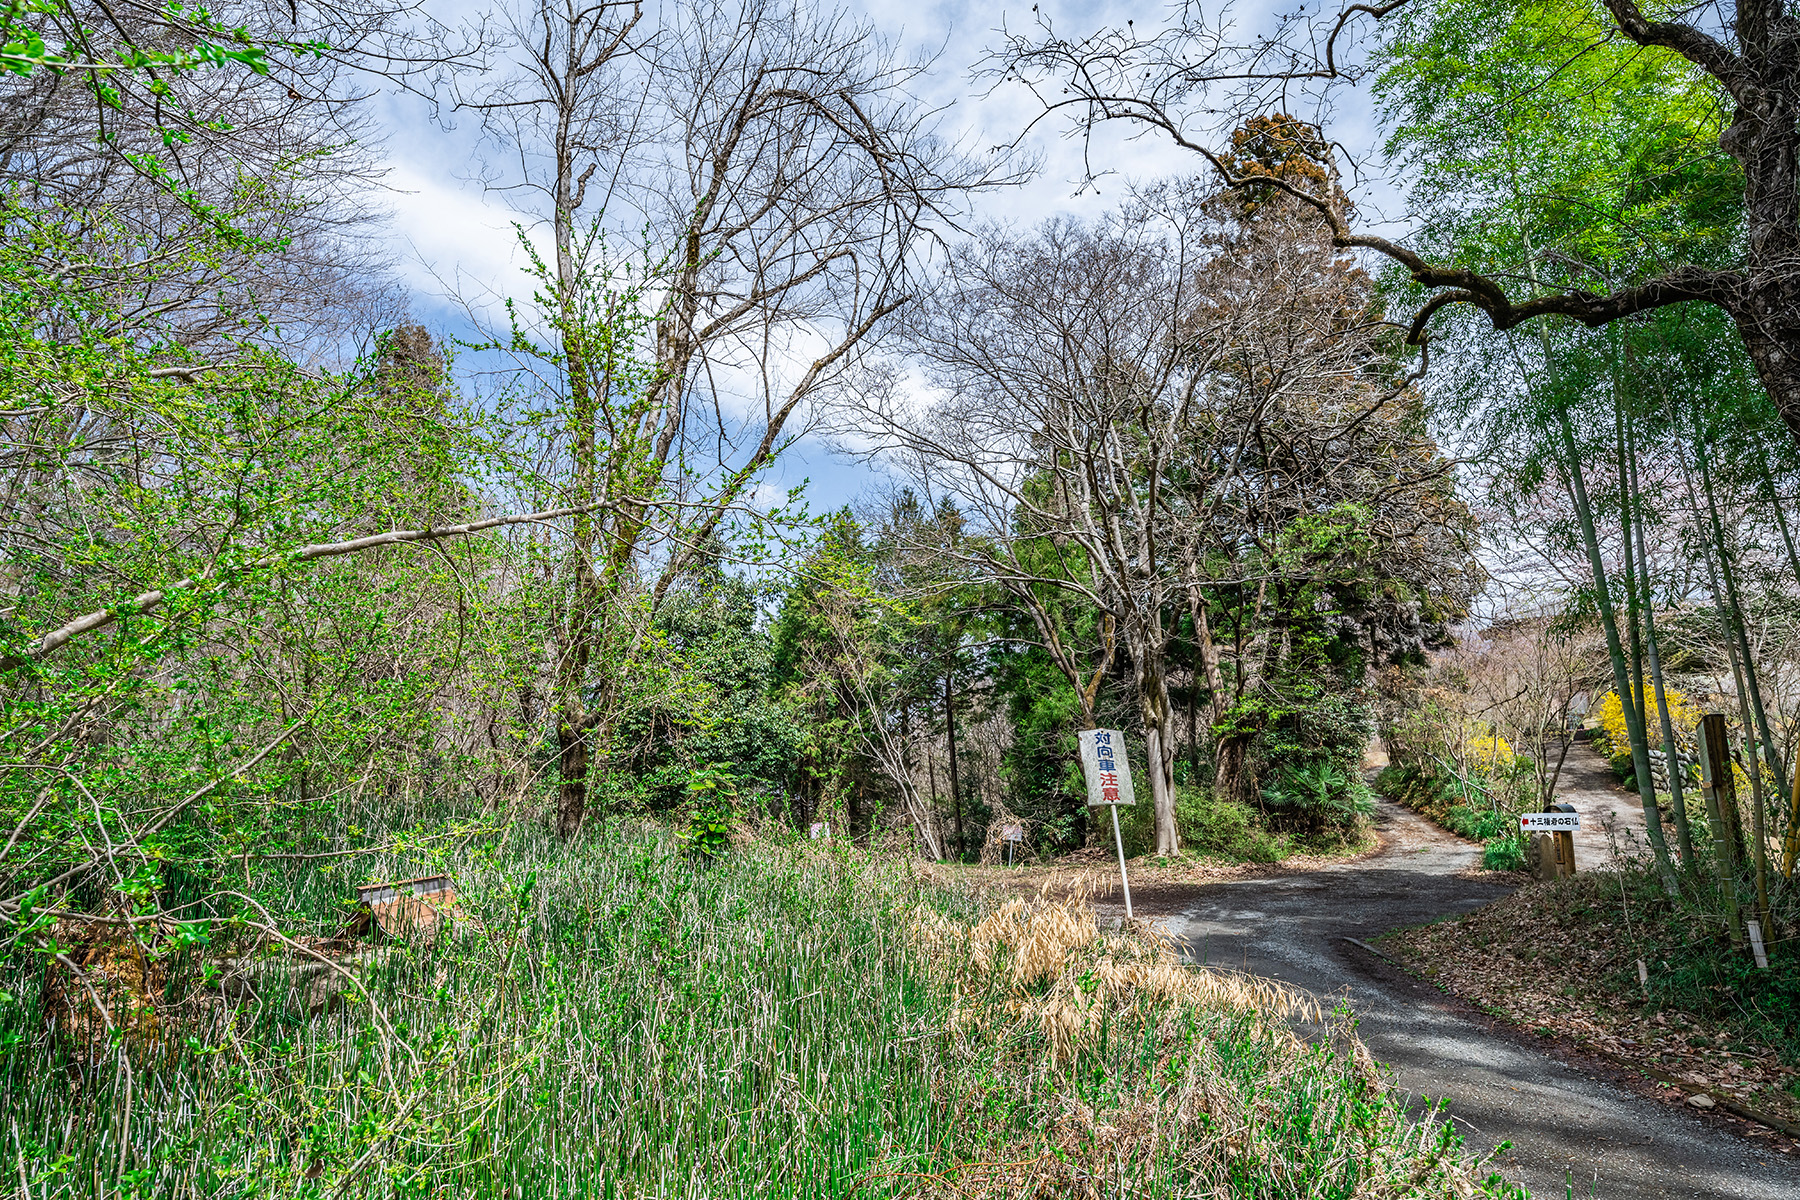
point(459, 251)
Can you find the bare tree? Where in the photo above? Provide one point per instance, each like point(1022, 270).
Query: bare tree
point(213, 199)
point(781, 183)
point(1068, 366)
point(1196, 80)
point(1174, 404)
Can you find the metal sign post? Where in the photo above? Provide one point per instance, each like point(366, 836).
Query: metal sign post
point(1010, 836)
point(1108, 774)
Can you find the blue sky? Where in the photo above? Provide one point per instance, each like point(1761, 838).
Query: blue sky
point(450, 238)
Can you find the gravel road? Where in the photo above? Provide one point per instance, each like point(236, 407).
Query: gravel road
point(1570, 1126)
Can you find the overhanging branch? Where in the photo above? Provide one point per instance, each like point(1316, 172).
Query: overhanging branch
point(152, 600)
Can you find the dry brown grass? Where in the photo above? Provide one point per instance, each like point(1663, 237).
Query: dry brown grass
point(1045, 962)
point(1204, 1069)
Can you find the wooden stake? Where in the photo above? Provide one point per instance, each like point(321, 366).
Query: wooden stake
point(1762, 841)
point(1716, 784)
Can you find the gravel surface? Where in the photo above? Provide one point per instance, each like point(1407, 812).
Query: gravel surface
point(1573, 1124)
point(1612, 819)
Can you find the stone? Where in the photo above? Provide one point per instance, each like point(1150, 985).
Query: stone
point(1700, 1100)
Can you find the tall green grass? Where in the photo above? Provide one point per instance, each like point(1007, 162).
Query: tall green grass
point(611, 1020)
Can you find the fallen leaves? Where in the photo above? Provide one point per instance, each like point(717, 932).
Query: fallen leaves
point(1542, 959)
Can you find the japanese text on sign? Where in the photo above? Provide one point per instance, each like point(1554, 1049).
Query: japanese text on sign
point(1104, 764)
point(1549, 820)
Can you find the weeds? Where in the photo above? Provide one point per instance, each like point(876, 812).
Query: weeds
point(796, 1020)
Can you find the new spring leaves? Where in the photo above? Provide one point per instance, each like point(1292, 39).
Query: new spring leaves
point(1103, 762)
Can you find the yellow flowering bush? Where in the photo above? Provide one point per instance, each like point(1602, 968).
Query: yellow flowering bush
point(1684, 714)
point(1489, 753)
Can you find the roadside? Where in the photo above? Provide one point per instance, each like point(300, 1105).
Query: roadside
point(1563, 958)
point(1555, 958)
point(1572, 1121)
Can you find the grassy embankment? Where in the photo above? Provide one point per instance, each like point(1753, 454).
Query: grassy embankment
point(612, 1021)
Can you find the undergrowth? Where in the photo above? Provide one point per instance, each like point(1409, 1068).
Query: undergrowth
point(1232, 831)
point(613, 1020)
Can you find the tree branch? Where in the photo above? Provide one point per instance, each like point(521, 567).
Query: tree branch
point(149, 601)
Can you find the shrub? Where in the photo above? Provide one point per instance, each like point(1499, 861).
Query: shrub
point(1319, 796)
point(1224, 827)
point(1505, 854)
point(1414, 786)
point(1479, 824)
point(1609, 714)
point(712, 791)
point(1489, 754)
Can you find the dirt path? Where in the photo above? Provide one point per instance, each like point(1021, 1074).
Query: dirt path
point(1568, 1126)
point(1611, 817)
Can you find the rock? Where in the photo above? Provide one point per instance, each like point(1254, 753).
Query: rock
point(1700, 1100)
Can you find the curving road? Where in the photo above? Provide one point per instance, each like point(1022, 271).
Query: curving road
point(1570, 1128)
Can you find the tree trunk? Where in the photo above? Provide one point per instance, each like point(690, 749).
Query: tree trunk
point(1635, 641)
point(1228, 765)
point(1684, 837)
point(1159, 749)
point(1193, 720)
point(955, 778)
point(1735, 612)
point(572, 762)
point(1209, 659)
point(1640, 750)
point(573, 721)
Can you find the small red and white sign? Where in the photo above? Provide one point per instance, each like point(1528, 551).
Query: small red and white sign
point(1549, 822)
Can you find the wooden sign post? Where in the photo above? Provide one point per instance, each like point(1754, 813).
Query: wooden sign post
point(1108, 775)
point(1552, 834)
point(1720, 790)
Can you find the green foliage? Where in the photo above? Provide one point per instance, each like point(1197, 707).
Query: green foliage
point(1225, 828)
point(1044, 713)
point(1538, 117)
point(839, 647)
point(1318, 796)
point(233, 709)
point(712, 799)
point(1479, 824)
point(1504, 845)
point(1504, 854)
point(151, 71)
point(721, 703)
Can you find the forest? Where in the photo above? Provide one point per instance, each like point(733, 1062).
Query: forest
point(1462, 448)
